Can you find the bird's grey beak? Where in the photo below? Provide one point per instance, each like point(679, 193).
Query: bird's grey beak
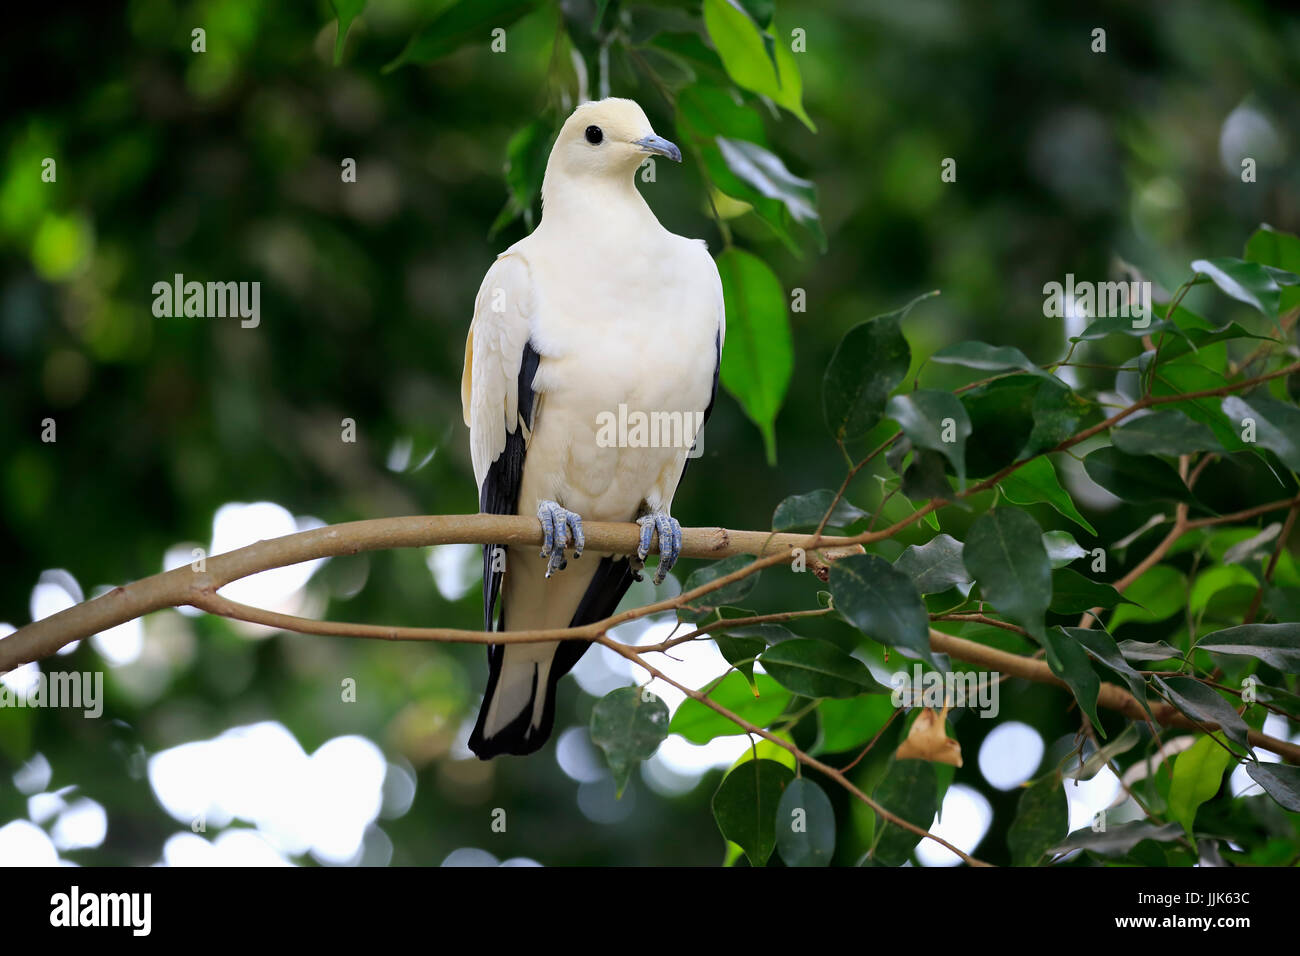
point(657, 144)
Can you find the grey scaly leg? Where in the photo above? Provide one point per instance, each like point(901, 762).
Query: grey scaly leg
point(556, 524)
point(669, 530)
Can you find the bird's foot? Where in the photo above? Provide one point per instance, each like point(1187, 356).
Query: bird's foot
point(669, 530)
point(557, 522)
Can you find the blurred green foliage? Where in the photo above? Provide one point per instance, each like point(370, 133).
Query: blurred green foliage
point(225, 165)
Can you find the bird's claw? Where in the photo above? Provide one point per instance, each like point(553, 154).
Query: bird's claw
point(557, 522)
point(669, 530)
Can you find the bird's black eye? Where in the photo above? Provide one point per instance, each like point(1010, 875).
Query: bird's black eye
point(594, 135)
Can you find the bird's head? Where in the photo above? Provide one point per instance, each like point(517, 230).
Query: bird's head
point(606, 138)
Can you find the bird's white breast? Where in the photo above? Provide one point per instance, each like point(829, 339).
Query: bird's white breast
point(614, 329)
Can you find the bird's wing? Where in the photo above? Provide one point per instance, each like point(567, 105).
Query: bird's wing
point(498, 399)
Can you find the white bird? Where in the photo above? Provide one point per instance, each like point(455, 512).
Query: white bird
point(600, 307)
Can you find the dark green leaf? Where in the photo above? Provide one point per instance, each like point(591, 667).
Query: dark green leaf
point(989, 358)
point(1277, 645)
point(935, 566)
point(628, 724)
point(1138, 479)
point(1121, 325)
point(1272, 247)
point(909, 790)
point(817, 669)
point(1005, 554)
point(1042, 821)
point(1118, 839)
point(805, 512)
point(1070, 662)
point(1058, 414)
point(1247, 282)
point(881, 602)
point(1168, 432)
point(1276, 424)
point(934, 420)
point(746, 803)
point(1141, 651)
point(733, 593)
point(1102, 648)
point(925, 478)
point(1072, 593)
point(458, 24)
point(1280, 781)
point(1002, 421)
point(869, 363)
point(805, 825)
point(1203, 704)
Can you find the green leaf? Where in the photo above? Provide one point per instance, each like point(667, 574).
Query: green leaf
point(1272, 247)
point(1070, 662)
point(805, 512)
point(805, 825)
point(869, 363)
point(1215, 582)
point(881, 602)
point(759, 357)
point(1058, 413)
point(1137, 479)
point(1005, 554)
point(746, 803)
point(988, 358)
point(733, 593)
point(1276, 424)
point(1118, 839)
point(1120, 325)
point(1277, 645)
point(1002, 421)
point(705, 113)
point(852, 721)
point(1042, 821)
point(745, 54)
point(925, 478)
point(1247, 282)
point(934, 420)
point(817, 669)
point(1101, 647)
point(765, 172)
point(1102, 756)
point(1159, 593)
point(935, 566)
point(1036, 481)
point(458, 24)
point(1072, 593)
point(1280, 781)
point(346, 11)
point(628, 724)
point(699, 723)
point(908, 790)
point(1185, 376)
point(1203, 704)
point(526, 155)
point(1062, 549)
point(1149, 650)
point(1168, 432)
point(1198, 774)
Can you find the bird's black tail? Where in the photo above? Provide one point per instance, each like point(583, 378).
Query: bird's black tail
point(531, 725)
